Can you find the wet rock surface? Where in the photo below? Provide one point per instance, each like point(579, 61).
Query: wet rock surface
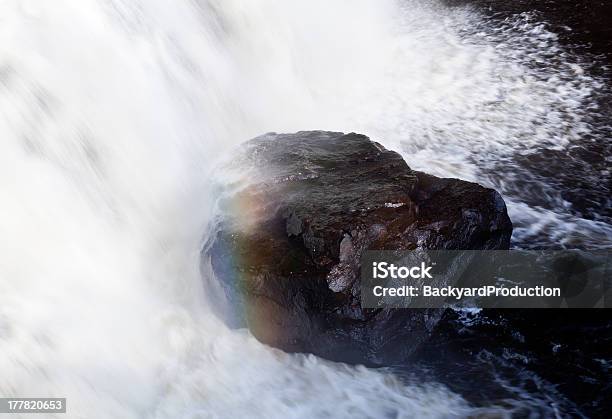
point(290, 238)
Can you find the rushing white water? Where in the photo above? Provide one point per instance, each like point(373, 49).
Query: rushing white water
point(112, 113)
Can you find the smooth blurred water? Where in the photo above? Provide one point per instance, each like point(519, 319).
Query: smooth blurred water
point(113, 114)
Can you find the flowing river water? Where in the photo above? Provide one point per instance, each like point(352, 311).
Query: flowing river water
point(114, 112)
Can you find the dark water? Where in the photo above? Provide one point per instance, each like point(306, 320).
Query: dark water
point(580, 175)
point(577, 178)
point(583, 25)
point(543, 363)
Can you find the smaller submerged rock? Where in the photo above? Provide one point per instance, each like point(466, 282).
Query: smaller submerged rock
point(291, 233)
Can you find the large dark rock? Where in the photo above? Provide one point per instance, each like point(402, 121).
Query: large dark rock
point(292, 230)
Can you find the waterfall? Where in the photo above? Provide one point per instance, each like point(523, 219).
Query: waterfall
point(112, 116)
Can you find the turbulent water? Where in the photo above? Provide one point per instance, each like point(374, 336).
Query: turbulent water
point(113, 114)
